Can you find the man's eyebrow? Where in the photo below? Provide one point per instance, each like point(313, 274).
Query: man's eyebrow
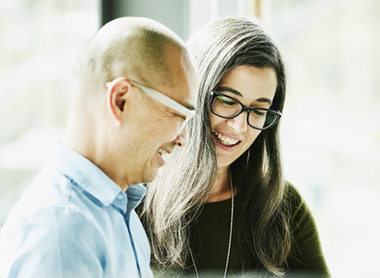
point(237, 93)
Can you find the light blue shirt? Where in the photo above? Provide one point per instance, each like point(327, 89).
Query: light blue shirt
point(74, 221)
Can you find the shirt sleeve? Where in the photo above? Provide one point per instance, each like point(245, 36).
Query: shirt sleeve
point(53, 242)
point(306, 256)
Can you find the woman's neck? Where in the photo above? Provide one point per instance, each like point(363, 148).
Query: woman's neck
point(221, 189)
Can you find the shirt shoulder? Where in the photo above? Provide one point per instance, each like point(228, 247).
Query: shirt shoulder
point(50, 191)
point(292, 195)
point(49, 188)
point(306, 252)
point(300, 214)
point(40, 243)
point(48, 221)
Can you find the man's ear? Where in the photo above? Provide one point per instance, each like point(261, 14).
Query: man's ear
point(117, 96)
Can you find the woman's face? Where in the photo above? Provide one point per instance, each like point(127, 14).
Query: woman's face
point(253, 87)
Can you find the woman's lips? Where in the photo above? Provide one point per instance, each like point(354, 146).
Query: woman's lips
point(225, 142)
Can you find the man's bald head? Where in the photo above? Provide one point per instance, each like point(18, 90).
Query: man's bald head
point(121, 129)
point(131, 46)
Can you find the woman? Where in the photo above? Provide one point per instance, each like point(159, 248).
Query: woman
point(220, 203)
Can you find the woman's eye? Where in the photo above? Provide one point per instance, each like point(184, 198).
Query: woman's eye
point(259, 113)
point(226, 101)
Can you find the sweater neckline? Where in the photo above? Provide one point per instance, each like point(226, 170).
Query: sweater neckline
point(221, 206)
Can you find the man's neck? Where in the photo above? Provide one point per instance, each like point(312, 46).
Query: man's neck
point(96, 155)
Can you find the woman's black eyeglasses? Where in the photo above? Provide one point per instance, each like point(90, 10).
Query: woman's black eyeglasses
point(227, 107)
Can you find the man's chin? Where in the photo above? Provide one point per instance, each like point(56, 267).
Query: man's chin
point(149, 178)
point(147, 181)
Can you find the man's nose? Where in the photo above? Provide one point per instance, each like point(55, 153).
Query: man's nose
point(181, 139)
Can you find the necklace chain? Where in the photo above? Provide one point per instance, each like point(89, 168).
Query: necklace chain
point(229, 239)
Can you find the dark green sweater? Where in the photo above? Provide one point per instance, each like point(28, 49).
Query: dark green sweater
point(210, 234)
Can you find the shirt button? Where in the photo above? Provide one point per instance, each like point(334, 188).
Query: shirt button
point(120, 196)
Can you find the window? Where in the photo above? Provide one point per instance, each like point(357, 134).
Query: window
point(40, 41)
point(331, 142)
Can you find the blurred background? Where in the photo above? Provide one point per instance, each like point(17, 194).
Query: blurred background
point(330, 132)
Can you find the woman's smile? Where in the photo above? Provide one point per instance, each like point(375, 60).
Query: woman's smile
point(225, 140)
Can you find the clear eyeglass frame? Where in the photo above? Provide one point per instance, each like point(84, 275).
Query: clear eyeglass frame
point(165, 100)
point(276, 114)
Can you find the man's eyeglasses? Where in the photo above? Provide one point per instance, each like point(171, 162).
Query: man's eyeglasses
point(227, 107)
point(167, 101)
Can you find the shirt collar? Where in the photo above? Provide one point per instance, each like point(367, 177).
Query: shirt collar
point(94, 181)
point(135, 194)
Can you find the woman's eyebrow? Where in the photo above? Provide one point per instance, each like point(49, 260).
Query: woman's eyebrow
point(237, 93)
point(264, 100)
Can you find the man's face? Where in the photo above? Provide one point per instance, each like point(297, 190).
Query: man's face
point(152, 127)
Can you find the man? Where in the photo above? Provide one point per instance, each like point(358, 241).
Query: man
point(134, 90)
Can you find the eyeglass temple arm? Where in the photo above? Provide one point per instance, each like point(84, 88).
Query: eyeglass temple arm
point(185, 122)
point(164, 99)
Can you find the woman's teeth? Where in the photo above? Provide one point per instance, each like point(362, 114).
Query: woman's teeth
point(226, 141)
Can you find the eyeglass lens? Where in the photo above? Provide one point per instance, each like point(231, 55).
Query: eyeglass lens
point(227, 107)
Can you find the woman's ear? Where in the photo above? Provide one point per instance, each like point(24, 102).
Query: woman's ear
point(117, 96)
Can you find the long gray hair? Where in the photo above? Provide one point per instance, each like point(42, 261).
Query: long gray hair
point(183, 184)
